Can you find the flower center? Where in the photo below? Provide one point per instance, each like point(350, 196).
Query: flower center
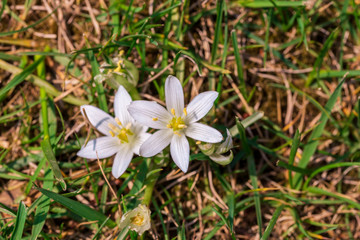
point(137, 220)
point(177, 123)
point(120, 131)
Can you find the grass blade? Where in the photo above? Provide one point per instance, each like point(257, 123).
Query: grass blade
point(99, 86)
point(20, 77)
point(20, 222)
point(2, 34)
point(272, 222)
point(78, 208)
point(294, 148)
point(339, 196)
point(252, 172)
point(50, 89)
point(238, 61)
point(318, 62)
point(50, 156)
point(43, 207)
point(311, 146)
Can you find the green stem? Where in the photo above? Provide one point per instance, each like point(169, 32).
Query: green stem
point(149, 190)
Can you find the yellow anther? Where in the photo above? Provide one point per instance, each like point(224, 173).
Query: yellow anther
point(113, 127)
point(173, 111)
point(123, 135)
point(118, 121)
point(137, 220)
point(128, 126)
point(155, 119)
point(185, 112)
point(198, 142)
point(112, 133)
point(168, 126)
point(118, 69)
point(121, 53)
point(181, 126)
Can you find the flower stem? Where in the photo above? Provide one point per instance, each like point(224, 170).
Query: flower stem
point(149, 190)
point(151, 183)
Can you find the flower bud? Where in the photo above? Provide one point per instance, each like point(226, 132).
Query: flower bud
point(207, 148)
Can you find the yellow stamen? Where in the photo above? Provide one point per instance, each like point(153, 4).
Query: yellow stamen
point(123, 135)
point(113, 127)
point(173, 111)
point(168, 126)
point(121, 53)
point(118, 69)
point(128, 125)
point(118, 121)
point(185, 112)
point(137, 220)
point(155, 119)
point(181, 126)
point(198, 142)
point(176, 133)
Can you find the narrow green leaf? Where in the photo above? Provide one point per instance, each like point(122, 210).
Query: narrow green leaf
point(339, 196)
point(43, 207)
point(231, 205)
point(294, 146)
point(252, 172)
point(5, 209)
point(2, 34)
point(50, 156)
point(311, 146)
point(213, 231)
point(20, 77)
point(20, 222)
point(239, 64)
point(319, 60)
point(3, 4)
point(99, 87)
point(272, 222)
point(78, 208)
point(269, 3)
point(49, 88)
point(328, 167)
point(221, 215)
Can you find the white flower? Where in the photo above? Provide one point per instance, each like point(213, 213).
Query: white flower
point(123, 136)
point(176, 123)
point(137, 219)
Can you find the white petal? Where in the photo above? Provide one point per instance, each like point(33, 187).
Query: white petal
point(204, 133)
point(180, 152)
point(200, 106)
point(141, 138)
point(122, 160)
point(174, 95)
point(222, 159)
point(121, 102)
point(98, 118)
point(103, 146)
point(156, 143)
point(226, 145)
point(145, 112)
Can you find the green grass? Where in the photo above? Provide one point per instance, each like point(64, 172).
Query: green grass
point(292, 64)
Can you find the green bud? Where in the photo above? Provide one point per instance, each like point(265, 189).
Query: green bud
point(207, 148)
point(221, 159)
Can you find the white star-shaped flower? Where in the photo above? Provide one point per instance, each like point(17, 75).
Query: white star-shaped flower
point(123, 136)
point(176, 123)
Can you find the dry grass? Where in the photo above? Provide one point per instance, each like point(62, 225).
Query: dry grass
point(186, 202)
